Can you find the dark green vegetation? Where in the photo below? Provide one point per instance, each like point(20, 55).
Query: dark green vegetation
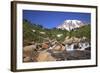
point(83, 31)
point(40, 33)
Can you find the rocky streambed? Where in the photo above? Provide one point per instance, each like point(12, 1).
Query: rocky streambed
point(70, 49)
point(50, 55)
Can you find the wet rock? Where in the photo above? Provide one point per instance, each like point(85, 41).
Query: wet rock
point(60, 56)
point(79, 55)
point(29, 53)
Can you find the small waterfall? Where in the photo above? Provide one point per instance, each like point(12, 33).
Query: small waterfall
point(69, 47)
point(81, 46)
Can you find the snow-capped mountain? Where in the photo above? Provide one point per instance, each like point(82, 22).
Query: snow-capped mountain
point(71, 24)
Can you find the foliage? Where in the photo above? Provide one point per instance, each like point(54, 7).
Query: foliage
point(29, 35)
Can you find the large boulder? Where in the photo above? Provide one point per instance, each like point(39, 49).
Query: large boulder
point(45, 45)
point(26, 59)
point(71, 40)
point(28, 50)
point(57, 48)
point(45, 56)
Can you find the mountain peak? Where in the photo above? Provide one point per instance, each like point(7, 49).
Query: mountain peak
point(71, 24)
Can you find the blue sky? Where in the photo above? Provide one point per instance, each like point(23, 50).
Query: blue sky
point(51, 19)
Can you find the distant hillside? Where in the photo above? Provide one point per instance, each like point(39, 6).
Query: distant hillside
point(29, 35)
point(37, 33)
point(83, 31)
